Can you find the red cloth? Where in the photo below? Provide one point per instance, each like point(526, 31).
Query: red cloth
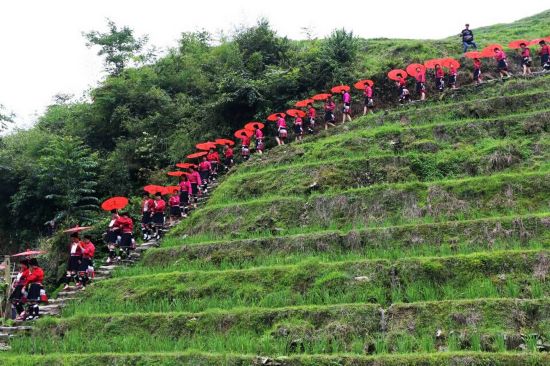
point(259, 134)
point(311, 112)
point(147, 203)
point(420, 77)
point(89, 250)
point(329, 106)
point(439, 73)
point(477, 64)
point(160, 205)
point(245, 141)
point(281, 123)
point(126, 224)
point(195, 177)
point(500, 55)
point(228, 153)
point(298, 121)
point(213, 157)
point(174, 201)
point(544, 50)
point(526, 53)
point(204, 166)
point(185, 186)
point(35, 276)
point(368, 91)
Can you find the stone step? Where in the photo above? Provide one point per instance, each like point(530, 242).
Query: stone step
point(60, 300)
point(19, 329)
point(5, 336)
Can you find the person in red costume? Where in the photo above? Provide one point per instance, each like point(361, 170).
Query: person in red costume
point(158, 215)
point(86, 264)
point(75, 259)
point(35, 290)
point(17, 298)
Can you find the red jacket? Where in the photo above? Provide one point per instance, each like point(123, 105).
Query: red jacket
point(36, 276)
point(213, 157)
point(159, 206)
point(205, 166)
point(439, 73)
point(89, 250)
point(125, 224)
point(228, 153)
point(147, 205)
point(195, 177)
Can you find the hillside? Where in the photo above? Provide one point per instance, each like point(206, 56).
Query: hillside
point(418, 235)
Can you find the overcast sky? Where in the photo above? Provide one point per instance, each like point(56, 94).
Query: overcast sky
point(44, 53)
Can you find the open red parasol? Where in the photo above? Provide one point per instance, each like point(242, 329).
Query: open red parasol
point(303, 103)
point(224, 142)
point(186, 165)
point(395, 74)
point(295, 113)
point(490, 49)
point(275, 116)
point(77, 229)
point(175, 174)
point(253, 125)
point(242, 133)
point(411, 69)
point(516, 44)
point(535, 42)
point(206, 146)
point(362, 84)
point(430, 64)
point(171, 189)
point(448, 62)
point(153, 189)
point(340, 88)
point(29, 253)
point(114, 203)
point(197, 155)
point(473, 54)
point(322, 96)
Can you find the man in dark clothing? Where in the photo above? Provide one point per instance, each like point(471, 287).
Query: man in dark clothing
point(468, 38)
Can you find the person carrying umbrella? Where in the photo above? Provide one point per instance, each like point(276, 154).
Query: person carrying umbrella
point(259, 139)
point(369, 101)
point(467, 38)
point(146, 213)
point(477, 71)
point(544, 54)
point(174, 203)
point(205, 168)
point(86, 264)
point(421, 82)
point(227, 156)
point(195, 180)
point(111, 237)
point(75, 260)
point(185, 191)
point(126, 227)
point(526, 60)
point(311, 114)
point(329, 112)
point(502, 64)
point(214, 158)
point(281, 130)
point(453, 73)
point(158, 214)
point(439, 77)
point(346, 109)
point(17, 297)
point(245, 147)
point(298, 128)
point(35, 290)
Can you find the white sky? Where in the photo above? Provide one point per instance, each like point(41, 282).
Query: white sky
point(44, 53)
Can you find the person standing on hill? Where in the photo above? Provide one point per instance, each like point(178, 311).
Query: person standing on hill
point(298, 129)
point(467, 38)
point(329, 112)
point(35, 290)
point(185, 192)
point(245, 147)
point(126, 225)
point(214, 158)
point(205, 168)
point(281, 130)
point(544, 54)
point(86, 265)
point(439, 77)
point(346, 109)
point(158, 215)
point(502, 64)
point(453, 73)
point(195, 180)
point(146, 213)
point(259, 139)
point(421, 82)
point(477, 71)
point(227, 157)
point(311, 114)
point(526, 59)
point(75, 259)
point(174, 203)
point(16, 296)
point(369, 102)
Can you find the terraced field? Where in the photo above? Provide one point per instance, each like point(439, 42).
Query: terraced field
point(416, 236)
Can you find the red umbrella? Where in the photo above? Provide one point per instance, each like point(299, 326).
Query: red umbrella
point(430, 64)
point(114, 203)
point(296, 113)
point(224, 142)
point(516, 44)
point(175, 174)
point(395, 74)
point(340, 88)
point(448, 62)
point(362, 84)
point(275, 116)
point(77, 229)
point(206, 146)
point(322, 96)
point(411, 69)
point(473, 54)
point(197, 155)
point(185, 165)
point(490, 49)
point(253, 125)
point(536, 41)
point(304, 103)
point(171, 189)
point(28, 253)
point(240, 134)
point(153, 189)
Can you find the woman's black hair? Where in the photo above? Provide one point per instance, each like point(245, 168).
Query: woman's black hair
point(33, 262)
point(74, 235)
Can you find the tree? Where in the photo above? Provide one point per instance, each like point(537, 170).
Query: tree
point(5, 118)
point(118, 46)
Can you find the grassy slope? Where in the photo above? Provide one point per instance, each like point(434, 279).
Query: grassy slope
point(448, 232)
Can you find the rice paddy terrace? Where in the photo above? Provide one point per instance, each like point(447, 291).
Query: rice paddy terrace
point(419, 236)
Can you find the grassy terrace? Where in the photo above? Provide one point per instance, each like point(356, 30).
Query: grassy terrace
point(415, 236)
